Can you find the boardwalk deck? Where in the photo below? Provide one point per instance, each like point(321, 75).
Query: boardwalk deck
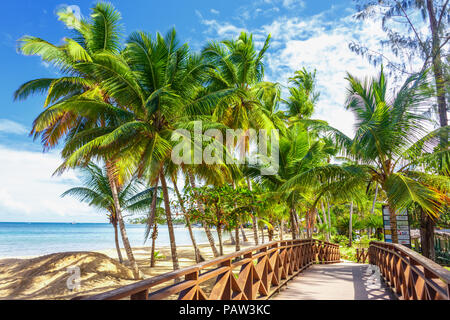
point(341, 281)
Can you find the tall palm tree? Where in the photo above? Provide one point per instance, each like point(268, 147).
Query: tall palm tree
point(237, 68)
point(76, 89)
point(390, 146)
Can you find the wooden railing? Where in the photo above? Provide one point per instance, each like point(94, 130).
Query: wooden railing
point(362, 254)
point(410, 275)
point(254, 273)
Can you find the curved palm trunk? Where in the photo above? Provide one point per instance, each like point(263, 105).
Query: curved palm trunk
point(154, 236)
point(123, 232)
point(116, 240)
point(173, 246)
point(244, 236)
point(198, 256)
point(319, 218)
point(232, 239)
point(202, 210)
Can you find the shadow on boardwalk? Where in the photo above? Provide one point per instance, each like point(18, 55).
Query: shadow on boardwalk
point(341, 281)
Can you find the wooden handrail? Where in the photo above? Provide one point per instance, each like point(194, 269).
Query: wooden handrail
point(409, 274)
point(250, 274)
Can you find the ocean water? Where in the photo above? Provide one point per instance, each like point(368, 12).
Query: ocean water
point(32, 239)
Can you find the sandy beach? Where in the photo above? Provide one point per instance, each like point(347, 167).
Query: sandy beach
point(45, 277)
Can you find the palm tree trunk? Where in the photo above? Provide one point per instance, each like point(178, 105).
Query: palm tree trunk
point(427, 235)
point(298, 226)
point(154, 236)
point(123, 232)
point(202, 211)
point(281, 229)
point(153, 223)
point(350, 226)
point(173, 246)
point(262, 234)
point(372, 211)
point(437, 68)
point(152, 218)
point(327, 236)
point(198, 256)
point(116, 240)
point(244, 236)
point(270, 233)
point(238, 244)
point(254, 219)
point(393, 222)
point(319, 218)
point(219, 235)
point(232, 239)
point(255, 229)
point(293, 225)
point(329, 220)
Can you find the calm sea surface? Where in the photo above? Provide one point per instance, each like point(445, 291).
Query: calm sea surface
point(29, 239)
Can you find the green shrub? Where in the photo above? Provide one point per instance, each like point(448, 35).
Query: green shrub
point(348, 253)
point(340, 239)
point(159, 256)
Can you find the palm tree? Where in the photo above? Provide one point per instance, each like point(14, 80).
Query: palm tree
point(390, 146)
point(238, 69)
point(302, 95)
point(77, 90)
point(96, 191)
point(154, 85)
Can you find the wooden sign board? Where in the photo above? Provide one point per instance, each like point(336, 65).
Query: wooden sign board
point(403, 230)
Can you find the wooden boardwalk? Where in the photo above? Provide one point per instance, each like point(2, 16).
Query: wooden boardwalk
point(340, 281)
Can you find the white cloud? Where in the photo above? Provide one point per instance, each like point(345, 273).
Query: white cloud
point(316, 42)
point(290, 4)
point(9, 126)
point(29, 192)
point(214, 11)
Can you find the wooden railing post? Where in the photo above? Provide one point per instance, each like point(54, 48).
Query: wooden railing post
point(191, 293)
point(141, 295)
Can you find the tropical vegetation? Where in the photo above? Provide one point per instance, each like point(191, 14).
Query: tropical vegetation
point(120, 107)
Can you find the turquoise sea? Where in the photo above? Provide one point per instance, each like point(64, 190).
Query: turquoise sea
point(31, 239)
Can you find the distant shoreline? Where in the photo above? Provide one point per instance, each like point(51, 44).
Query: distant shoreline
point(22, 240)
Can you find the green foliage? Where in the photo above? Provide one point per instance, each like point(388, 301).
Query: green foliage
point(158, 255)
point(120, 103)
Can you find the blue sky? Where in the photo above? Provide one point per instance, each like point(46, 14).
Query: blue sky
point(311, 34)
